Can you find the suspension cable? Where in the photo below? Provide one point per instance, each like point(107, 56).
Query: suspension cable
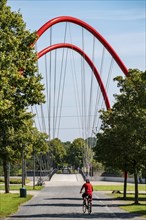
point(40, 128)
point(91, 90)
point(62, 93)
point(60, 80)
point(50, 87)
point(109, 76)
point(76, 91)
point(54, 106)
point(98, 95)
point(83, 88)
point(47, 90)
point(75, 83)
point(43, 119)
point(36, 111)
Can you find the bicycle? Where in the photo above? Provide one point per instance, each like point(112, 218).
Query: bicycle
point(87, 204)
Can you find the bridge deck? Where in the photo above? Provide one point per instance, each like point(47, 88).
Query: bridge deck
point(67, 177)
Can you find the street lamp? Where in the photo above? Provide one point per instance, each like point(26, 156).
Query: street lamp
point(23, 190)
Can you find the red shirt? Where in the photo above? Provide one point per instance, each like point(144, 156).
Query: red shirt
point(88, 188)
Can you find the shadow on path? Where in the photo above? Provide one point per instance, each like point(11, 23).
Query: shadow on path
point(94, 215)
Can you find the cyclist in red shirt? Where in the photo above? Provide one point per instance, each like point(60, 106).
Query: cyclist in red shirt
point(88, 189)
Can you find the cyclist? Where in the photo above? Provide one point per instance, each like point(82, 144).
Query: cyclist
point(88, 190)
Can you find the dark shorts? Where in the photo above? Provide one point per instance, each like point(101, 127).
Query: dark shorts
point(85, 195)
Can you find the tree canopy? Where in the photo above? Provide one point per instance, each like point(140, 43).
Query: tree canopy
point(20, 83)
point(122, 141)
point(57, 152)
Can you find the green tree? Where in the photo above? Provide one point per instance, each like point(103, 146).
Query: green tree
point(38, 152)
point(122, 142)
point(39, 142)
point(76, 153)
point(20, 84)
point(110, 148)
point(67, 146)
point(57, 152)
point(90, 144)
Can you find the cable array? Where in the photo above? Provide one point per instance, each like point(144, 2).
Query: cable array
point(73, 95)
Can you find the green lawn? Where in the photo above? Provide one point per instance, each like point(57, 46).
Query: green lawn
point(9, 203)
point(130, 187)
point(131, 207)
point(139, 210)
point(129, 202)
point(14, 180)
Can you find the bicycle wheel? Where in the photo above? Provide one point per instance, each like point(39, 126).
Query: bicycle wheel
point(89, 207)
point(84, 207)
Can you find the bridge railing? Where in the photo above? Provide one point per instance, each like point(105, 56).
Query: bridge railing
point(52, 173)
point(83, 174)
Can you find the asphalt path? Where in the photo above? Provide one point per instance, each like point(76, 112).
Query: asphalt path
point(61, 200)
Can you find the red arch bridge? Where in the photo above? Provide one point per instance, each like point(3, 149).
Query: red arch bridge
point(78, 66)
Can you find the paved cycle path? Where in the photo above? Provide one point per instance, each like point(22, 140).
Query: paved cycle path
point(62, 201)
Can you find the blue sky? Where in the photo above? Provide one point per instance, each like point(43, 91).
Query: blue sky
point(121, 22)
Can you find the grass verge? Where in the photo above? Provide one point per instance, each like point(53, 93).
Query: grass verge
point(18, 186)
point(14, 180)
point(140, 209)
point(129, 205)
point(130, 187)
point(9, 203)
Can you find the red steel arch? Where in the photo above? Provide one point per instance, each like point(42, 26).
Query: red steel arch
point(91, 30)
point(88, 60)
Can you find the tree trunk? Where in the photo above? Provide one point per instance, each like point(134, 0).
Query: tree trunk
point(136, 184)
point(125, 184)
point(6, 169)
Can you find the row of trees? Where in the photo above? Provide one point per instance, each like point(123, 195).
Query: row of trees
point(121, 142)
point(76, 154)
point(20, 87)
